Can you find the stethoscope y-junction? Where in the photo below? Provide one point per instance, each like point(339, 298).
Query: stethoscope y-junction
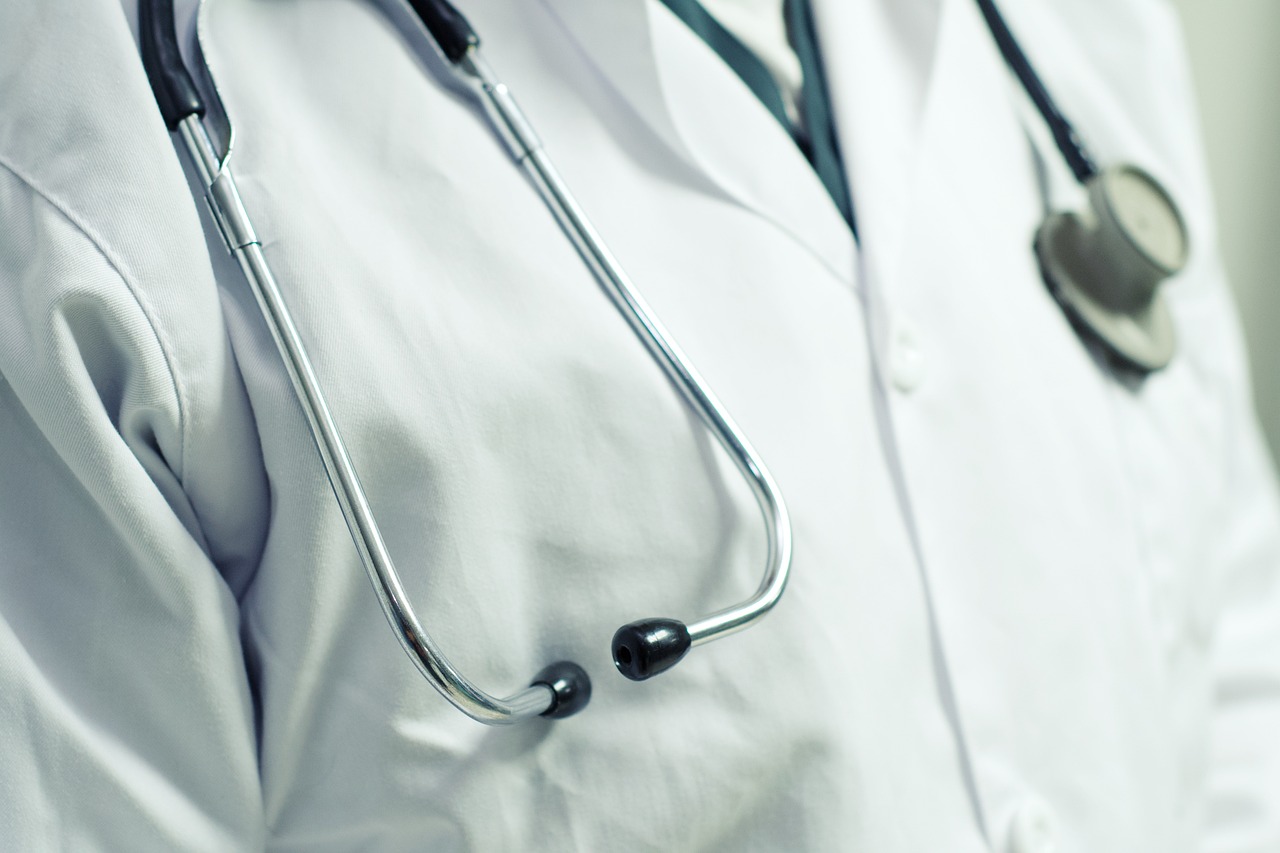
point(1103, 266)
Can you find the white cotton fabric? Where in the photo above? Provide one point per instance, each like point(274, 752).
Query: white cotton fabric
point(1022, 587)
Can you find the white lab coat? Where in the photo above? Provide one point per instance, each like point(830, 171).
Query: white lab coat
point(1032, 605)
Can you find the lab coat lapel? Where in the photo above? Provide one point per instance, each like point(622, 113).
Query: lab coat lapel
point(973, 156)
point(708, 117)
point(880, 71)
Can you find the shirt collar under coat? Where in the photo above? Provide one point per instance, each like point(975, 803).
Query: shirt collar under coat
point(879, 59)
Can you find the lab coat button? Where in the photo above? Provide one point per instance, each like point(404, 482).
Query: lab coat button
point(1032, 829)
point(906, 356)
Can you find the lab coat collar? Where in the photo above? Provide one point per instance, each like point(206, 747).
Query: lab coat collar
point(709, 118)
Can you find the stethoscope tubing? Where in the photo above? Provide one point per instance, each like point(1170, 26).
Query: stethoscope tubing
point(1069, 143)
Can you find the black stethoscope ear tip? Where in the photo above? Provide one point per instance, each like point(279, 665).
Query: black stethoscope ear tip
point(643, 649)
point(1105, 265)
point(571, 686)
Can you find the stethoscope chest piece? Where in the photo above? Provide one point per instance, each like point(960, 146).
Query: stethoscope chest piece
point(1105, 265)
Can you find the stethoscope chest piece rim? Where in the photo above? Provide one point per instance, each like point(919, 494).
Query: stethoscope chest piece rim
point(1105, 265)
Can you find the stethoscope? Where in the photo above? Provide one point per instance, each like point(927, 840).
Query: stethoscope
point(1103, 266)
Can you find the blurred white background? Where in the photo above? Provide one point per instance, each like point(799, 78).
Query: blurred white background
point(1235, 56)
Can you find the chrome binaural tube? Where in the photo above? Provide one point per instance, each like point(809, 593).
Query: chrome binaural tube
point(561, 689)
point(648, 647)
point(551, 690)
